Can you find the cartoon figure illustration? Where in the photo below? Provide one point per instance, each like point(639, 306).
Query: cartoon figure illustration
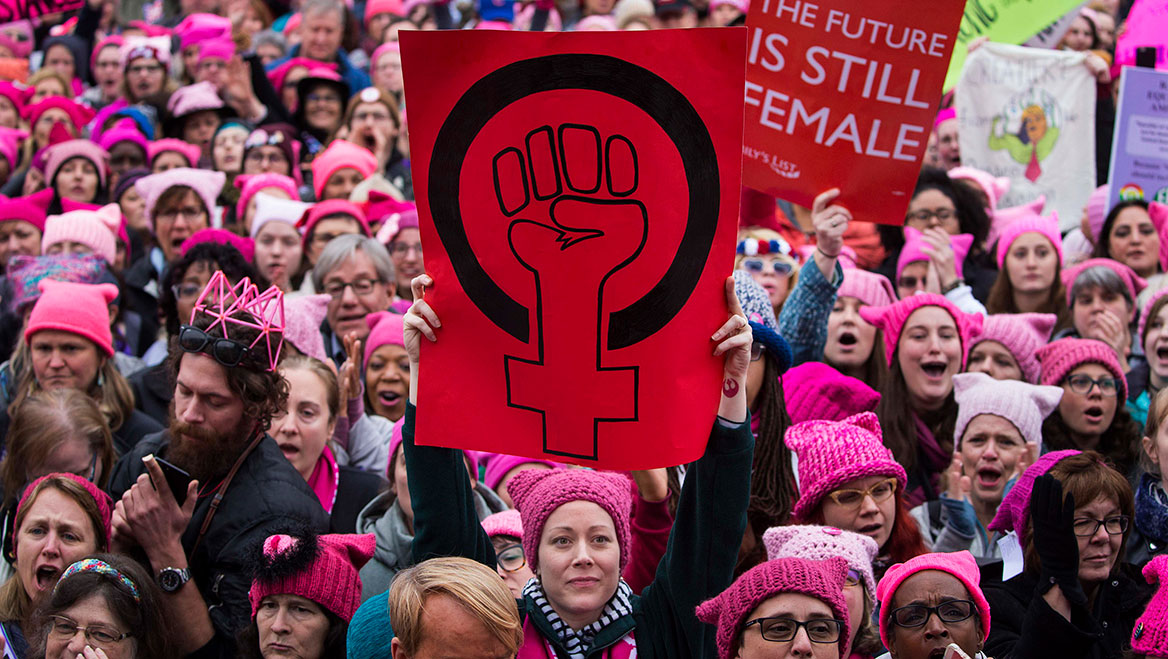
point(1031, 144)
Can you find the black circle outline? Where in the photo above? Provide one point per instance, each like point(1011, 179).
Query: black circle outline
point(667, 106)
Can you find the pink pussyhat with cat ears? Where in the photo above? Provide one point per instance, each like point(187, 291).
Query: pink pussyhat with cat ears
point(225, 303)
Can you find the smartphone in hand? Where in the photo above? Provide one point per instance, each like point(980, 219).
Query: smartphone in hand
point(177, 479)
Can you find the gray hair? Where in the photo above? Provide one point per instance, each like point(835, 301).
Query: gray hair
point(1100, 276)
point(269, 37)
point(323, 6)
point(342, 248)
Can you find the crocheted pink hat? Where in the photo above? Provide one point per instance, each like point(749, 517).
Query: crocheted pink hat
point(815, 391)
point(123, 131)
point(223, 49)
point(1014, 510)
point(10, 141)
point(1022, 334)
point(1147, 310)
point(538, 493)
point(498, 464)
point(994, 187)
point(914, 244)
point(202, 27)
point(960, 564)
point(507, 522)
point(57, 154)
point(818, 543)
point(94, 229)
point(823, 580)
point(250, 184)
point(385, 328)
point(193, 98)
point(832, 453)
point(340, 155)
point(303, 315)
point(1150, 635)
point(1022, 404)
point(1002, 218)
point(81, 309)
point(892, 318)
point(325, 571)
point(1063, 356)
point(105, 505)
point(1047, 226)
point(1134, 282)
point(79, 115)
point(206, 184)
point(868, 287)
point(185, 149)
point(245, 246)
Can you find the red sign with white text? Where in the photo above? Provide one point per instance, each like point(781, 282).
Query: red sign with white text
point(844, 94)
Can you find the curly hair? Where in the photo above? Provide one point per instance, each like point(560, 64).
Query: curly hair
point(217, 257)
point(971, 213)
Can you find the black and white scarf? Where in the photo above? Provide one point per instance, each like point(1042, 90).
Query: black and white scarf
point(577, 643)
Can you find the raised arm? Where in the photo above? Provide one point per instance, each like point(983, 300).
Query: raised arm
point(803, 321)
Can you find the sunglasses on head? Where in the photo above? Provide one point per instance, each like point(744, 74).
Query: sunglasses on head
point(225, 351)
point(263, 138)
point(758, 265)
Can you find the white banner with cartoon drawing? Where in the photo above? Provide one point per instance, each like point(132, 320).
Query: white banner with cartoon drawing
point(1029, 114)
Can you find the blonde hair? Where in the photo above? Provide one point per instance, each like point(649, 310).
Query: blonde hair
point(470, 583)
point(49, 74)
point(764, 234)
point(1157, 411)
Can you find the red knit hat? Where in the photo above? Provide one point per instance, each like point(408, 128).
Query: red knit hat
point(960, 564)
point(1063, 356)
point(815, 391)
point(105, 505)
point(81, 309)
point(324, 569)
point(823, 580)
point(891, 319)
point(1150, 635)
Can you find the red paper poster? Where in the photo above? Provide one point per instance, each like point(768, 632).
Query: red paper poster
point(844, 94)
point(578, 196)
point(14, 10)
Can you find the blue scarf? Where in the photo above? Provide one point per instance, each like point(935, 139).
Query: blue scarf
point(1152, 510)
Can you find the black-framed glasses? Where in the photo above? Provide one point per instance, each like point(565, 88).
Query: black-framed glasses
point(925, 215)
point(225, 351)
point(1082, 384)
point(64, 629)
point(1085, 527)
point(852, 498)
point(361, 287)
point(916, 615)
point(758, 265)
point(186, 291)
point(756, 350)
point(782, 630)
point(510, 558)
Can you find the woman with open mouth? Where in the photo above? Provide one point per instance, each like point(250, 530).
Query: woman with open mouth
point(931, 602)
point(1102, 296)
point(1005, 348)
point(1075, 594)
point(925, 337)
point(998, 433)
point(1148, 376)
point(1030, 256)
point(1091, 414)
point(1149, 536)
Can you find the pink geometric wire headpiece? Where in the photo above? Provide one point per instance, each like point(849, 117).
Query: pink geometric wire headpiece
point(267, 308)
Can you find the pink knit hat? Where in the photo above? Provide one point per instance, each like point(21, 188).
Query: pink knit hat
point(892, 318)
point(193, 98)
point(820, 543)
point(538, 493)
point(815, 391)
point(498, 464)
point(326, 570)
point(1134, 282)
point(303, 315)
point(113, 40)
point(1159, 214)
point(196, 28)
point(387, 47)
point(1004, 217)
point(327, 208)
point(145, 47)
point(223, 49)
point(185, 149)
point(277, 75)
point(823, 580)
point(250, 184)
point(994, 187)
point(29, 208)
point(94, 229)
point(340, 155)
point(960, 564)
point(81, 309)
point(375, 7)
point(1047, 226)
point(1150, 635)
point(206, 184)
point(125, 130)
point(1063, 356)
point(105, 505)
point(914, 244)
point(10, 141)
point(832, 453)
point(62, 152)
point(868, 287)
point(1014, 511)
point(270, 208)
point(385, 328)
point(1097, 210)
point(507, 522)
point(1022, 334)
point(245, 246)
point(1024, 405)
point(79, 115)
point(1152, 299)
point(944, 115)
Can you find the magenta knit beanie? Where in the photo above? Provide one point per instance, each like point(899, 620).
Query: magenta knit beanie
point(914, 249)
point(819, 543)
point(94, 229)
point(823, 580)
point(498, 464)
point(1097, 210)
point(81, 309)
point(1047, 227)
point(1002, 218)
point(868, 287)
point(507, 522)
point(1150, 635)
point(206, 184)
point(105, 505)
point(1152, 299)
point(1014, 510)
point(1063, 356)
point(537, 493)
point(892, 318)
point(340, 155)
point(1134, 282)
point(62, 152)
point(385, 328)
point(1022, 334)
point(245, 246)
point(815, 391)
point(832, 453)
point(325, 571)
point(250, 184)
point(960, 564)
point(994, 187)
point(1022, 404)
point(167, 144)
point(303, 316)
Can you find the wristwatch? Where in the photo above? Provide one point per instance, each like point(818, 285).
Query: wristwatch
point(171, 579)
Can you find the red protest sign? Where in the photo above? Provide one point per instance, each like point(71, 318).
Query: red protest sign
point(15, 10)
point(578, 199)
point(843, 94)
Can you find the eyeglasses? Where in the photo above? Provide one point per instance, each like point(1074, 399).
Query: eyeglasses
point(510, 558)
point(756, 350)
point(1085, 527)
point(370, 115)
point(782, 630)
point(64, 629)
point(185, 291)
point(225, 351)
point(262, 137)
point(361, 287)
point(756, 266)
point(925, 215)
point(916, 615)
point(1082, 385)
point(850, 498)
point(190, 213)
point(323, 98)
point(401, 249)
point(853, 579)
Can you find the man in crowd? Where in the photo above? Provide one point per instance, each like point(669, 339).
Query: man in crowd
point(358, 273)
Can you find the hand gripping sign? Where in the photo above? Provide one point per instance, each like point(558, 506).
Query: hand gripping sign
point(578, 198)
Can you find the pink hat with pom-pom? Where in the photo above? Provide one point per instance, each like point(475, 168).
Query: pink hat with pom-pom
point(1047, 227)
point(1022, 334)
point(915, 244)
point(324, 569)
point(892, 318)
point(96, 229)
